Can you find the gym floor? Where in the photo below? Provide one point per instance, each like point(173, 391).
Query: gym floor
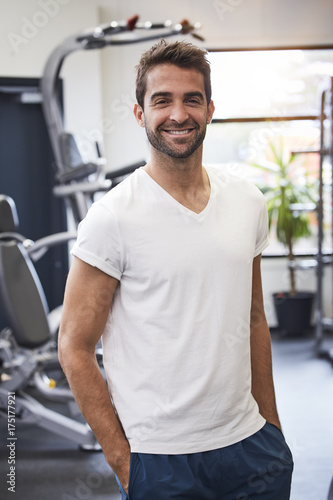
point(51, 468)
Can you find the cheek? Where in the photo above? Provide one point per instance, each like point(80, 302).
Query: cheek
point(155, 120)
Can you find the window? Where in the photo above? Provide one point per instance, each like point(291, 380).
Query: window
point(265, 96)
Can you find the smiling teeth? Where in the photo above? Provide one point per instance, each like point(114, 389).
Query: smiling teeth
point(178, 132)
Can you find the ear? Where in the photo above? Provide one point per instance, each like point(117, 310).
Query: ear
point(211, 109)
point(139, 115)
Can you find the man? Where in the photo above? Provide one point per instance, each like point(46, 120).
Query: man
point(167, 271)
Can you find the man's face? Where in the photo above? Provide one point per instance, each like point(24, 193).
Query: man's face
point(176, 112)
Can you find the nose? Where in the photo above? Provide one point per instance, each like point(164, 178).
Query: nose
point(178, 112)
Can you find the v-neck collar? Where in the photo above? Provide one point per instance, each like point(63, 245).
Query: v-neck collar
point(176, 202)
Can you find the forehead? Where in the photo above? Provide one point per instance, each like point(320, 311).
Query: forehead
point(171, 78)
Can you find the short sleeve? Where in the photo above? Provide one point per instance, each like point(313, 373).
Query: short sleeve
point(262, 240)
point(98, 242)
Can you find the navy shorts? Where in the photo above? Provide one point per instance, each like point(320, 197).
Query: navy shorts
point(259, 467)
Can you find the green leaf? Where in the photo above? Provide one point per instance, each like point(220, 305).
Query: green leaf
point(276, 155)
point(267, 166)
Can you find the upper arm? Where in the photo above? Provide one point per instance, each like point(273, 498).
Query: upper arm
point(87, 302)
point(257, 304)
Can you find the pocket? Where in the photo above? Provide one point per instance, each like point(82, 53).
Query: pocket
point(276, 428)
point(131, 474)
point(121, 489)
point(286, 453)
point(125, 496)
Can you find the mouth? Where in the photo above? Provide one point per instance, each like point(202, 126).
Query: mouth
point(179, 132)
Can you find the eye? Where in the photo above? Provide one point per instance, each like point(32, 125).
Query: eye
point(160, 103)
point(193, 101)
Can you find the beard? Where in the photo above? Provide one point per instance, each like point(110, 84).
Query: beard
point(181, 147)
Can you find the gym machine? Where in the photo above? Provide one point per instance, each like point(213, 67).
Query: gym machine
point(28, 346)
point(321, 260)
point(322, 322)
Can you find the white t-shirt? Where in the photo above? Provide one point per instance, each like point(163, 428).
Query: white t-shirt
point(176, 343)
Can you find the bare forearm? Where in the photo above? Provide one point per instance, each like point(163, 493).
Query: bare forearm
point(88, 299)
point(261, 355)
point(91, 394)
point(262, 376)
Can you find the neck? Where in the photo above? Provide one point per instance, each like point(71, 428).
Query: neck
point(184, 179)
point(176, 173)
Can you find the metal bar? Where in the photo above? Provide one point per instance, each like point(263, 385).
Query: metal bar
point(324, 151)
point(319, 301)
point(139, 39)
point(265, 119)
point(38, 248)
point(328, 322)
point(303, 207)
point(331, 158)
point(305, 264)
point(327, 46)
point(50, 103)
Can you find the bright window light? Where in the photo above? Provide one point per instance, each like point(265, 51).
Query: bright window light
point(269, 83)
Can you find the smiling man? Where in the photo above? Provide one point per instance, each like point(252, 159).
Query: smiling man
point(167, 272)
point(186, 124)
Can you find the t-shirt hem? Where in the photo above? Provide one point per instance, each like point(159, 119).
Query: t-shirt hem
point(262, 247)
point(91, 259)
point(170, 448)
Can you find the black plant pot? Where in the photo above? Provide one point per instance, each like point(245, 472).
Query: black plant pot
point(294, 311)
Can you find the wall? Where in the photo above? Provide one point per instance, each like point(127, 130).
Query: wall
point(31, 29)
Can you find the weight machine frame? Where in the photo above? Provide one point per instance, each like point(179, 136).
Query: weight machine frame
point(321, 260)
point(321, 321)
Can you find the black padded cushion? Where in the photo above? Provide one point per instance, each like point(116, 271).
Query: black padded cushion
point(22, 296)
point(8, 215)
point(73, 167)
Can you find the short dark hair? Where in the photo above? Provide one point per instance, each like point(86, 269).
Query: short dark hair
point(182, 54)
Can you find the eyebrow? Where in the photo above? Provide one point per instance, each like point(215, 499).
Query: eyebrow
point(156, 95)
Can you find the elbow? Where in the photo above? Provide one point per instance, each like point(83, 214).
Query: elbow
point(64, 350)
point(73, 351)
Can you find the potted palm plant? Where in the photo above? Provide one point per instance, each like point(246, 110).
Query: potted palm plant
point(288, 204)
